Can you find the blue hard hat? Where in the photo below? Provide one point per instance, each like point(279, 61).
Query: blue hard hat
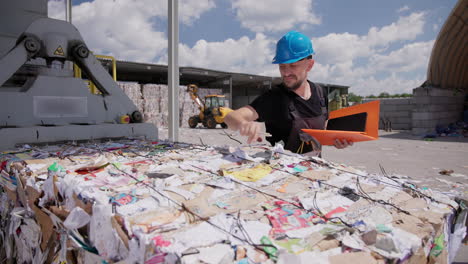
point(292, 47)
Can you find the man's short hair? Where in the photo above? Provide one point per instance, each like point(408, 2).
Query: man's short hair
point(307, 58)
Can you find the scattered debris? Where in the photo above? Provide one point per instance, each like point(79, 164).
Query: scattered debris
point(135, 201)
point(446, 172)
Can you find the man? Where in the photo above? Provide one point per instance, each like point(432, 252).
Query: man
point(294, 105)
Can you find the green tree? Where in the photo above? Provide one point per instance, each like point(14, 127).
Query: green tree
point(384, 95)
point(354, 98)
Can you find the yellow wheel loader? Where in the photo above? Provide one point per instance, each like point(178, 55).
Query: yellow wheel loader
point(212, 110)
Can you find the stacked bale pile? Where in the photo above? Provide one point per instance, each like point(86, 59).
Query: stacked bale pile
point(155, 104)
point(133, 91)
point(152, 101)
point(187, 107)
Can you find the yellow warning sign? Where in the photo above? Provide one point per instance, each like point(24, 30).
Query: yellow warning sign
point(59, 51)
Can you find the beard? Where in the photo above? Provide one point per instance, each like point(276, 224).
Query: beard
point(293, 86)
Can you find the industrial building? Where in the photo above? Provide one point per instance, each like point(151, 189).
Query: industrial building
point(442, 99)
point(239, 88)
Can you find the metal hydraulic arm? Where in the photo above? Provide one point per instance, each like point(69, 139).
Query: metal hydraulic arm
point(14, 59)
point(192, 89)
point(57, 42)
point(41, 100)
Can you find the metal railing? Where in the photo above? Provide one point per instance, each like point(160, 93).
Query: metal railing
point(92, 87)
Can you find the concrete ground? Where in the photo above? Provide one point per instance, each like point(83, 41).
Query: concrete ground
point(402, 153)
point(397, 152)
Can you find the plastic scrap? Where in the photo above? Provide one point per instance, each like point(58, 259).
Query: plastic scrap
point(135, 201)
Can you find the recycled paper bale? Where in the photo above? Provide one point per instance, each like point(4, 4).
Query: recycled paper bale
point(135, 201)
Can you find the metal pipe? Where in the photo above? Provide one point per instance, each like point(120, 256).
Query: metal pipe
point(230, 92)
point(68, 17)
point(173, 69)
point(68, 11)
point(114, 64)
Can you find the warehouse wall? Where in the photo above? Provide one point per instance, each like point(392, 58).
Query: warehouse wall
point(397, 110)
point(434, 106)
point(152, 101)
point(421, 114)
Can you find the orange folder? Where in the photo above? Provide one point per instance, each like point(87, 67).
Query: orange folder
point(355, 123)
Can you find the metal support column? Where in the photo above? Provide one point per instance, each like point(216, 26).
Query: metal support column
point(230, 92)
point(173, 69)
point(68, 11)
point(68, 17)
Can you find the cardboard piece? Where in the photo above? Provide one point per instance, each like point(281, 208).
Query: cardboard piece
point(354, 257)
point(317, 175)
point(59, 212)
point(11, 195)
point(87, 207)
point(46, 224)
point(418, 257)
point(328, 243)
point(200, 205)
point(372, 188)
point(412, 225)
point(44, 221)
point(123, 236)
point(20, 190)
point(315, 238)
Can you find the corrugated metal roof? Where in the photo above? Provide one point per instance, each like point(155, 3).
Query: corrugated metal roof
point(448, 66)
point(157, 73)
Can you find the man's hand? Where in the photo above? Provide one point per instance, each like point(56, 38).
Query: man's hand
point(250, 129)
point(242, 120)
point(343, 143)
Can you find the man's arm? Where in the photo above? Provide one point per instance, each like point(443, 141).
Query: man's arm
point(243, 120)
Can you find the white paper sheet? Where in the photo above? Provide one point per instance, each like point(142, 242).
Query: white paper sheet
point(77, 219)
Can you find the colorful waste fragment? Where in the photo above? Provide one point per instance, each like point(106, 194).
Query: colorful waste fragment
point(135, 201)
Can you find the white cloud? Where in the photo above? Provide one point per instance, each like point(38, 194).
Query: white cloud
point(403, 9)
point(406, 28)
point(340, 48)
point(394, 69)
point(121, 28)
point(274, 15)
point(336, 59)
point(363, 82)
point(410, 57)
point(355, 60)
point(56, 9)
point(392, 84)
point(336, 48)
point(126, 29)
point(241, 55)
point(191, 10)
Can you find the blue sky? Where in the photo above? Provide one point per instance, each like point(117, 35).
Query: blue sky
point(371, 45)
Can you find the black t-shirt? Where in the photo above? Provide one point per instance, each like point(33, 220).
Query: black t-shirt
point(273, 109)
